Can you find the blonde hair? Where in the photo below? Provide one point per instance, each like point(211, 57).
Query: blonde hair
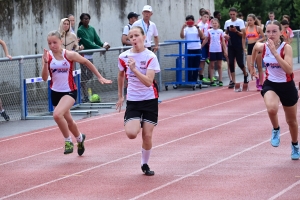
point(54, 33)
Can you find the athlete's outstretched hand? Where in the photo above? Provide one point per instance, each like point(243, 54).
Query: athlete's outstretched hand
point(104, 80)
point(46, 56)
point(119, 104)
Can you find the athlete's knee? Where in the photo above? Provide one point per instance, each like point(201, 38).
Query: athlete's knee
point(292, 122)
point(131, 135)
point(57, 115)
point(272, 110)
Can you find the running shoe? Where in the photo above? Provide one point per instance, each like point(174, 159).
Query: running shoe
point(5, 116)
point(257, 82)
point(275, 139)
point(206, 80)
point(80, 146)
point(213, 84)
point(220, 83)
point(259, 88)
point(246, 78)
point(68, 147)
point(146, 170)
point(295, 152)
point(231, 84)
point(207, 61)
point(214, 79)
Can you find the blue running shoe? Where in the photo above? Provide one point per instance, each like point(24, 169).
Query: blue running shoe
point(295, 152)
point(275, 140)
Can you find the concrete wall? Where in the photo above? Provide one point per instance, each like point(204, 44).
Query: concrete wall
point(25, 23)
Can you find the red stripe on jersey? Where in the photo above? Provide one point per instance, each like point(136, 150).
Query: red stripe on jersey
point(123, 64)
point(267, 73)
point(289, 77)
point(50, 73)
point(149, 62)
point(71, 82)
point(155, 89)
point(281, 51)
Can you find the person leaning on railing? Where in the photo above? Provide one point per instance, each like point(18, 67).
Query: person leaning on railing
point(69, 39)
point(90, 40)
point(2, 111)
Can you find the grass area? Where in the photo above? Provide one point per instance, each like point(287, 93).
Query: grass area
point(294, 46)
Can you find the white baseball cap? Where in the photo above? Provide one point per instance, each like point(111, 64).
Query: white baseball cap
point(147, 8)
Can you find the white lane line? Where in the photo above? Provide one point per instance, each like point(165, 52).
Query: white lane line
point(284, 191)
point(137, 153)
point(109, 134)
point(103, 116)
point(201, 169)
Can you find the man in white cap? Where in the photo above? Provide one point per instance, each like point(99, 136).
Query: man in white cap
point(149, 28)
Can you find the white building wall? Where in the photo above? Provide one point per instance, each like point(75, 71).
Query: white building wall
point(26, 23)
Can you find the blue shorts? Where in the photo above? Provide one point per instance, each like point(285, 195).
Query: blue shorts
point(204, 52)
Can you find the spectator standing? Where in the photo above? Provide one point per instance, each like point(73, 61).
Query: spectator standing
point(149, 28)
point(132, 17)
point(190, 31)
point(2, 111)
point(90, 40)
point(271, 17)
point(72, 21)
point(235, 28)
point(69, 39)
point(286, 17)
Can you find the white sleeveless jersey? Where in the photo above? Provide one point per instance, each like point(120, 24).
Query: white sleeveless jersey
point(136, 90)
point(61, 73)
point(215, 40)
point(274, 72)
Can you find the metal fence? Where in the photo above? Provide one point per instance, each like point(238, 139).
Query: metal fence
point(19, 103)
point(14, 72)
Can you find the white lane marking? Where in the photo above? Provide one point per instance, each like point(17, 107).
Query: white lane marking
point(164, 144)
point(284, 191)
point(181, 114)
point(103, 116)
point(201, 169)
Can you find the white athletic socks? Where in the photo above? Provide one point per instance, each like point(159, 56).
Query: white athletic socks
point(68, 139)
point(79, 138)
point(1, 111)
point(145, 156)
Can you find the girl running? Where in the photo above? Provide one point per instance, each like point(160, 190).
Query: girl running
point(215, 36)
point(279, 85)
point(58, 63)
point(139, 65)
point(254, 34)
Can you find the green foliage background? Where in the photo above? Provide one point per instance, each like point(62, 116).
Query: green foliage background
point(262, 7)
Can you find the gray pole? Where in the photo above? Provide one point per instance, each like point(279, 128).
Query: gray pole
point(21, 61)
point(159, 74)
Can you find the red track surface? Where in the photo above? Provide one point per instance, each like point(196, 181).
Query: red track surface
point(210, 145)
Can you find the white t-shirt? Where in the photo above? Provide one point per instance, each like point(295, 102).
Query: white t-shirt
point(136, 90)
point(191, 33)
point(127, 29)
point(61, 73)
point(149, 31)
point(215, 40)
point(203, 27)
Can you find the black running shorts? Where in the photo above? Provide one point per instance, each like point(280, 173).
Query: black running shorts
point(145, 111)
point(287, 91)
point(56, 96)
